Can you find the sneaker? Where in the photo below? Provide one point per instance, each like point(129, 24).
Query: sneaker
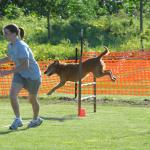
point(16, 123)
point(34, 123)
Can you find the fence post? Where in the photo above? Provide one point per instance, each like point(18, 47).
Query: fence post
point(76, 59)
point(141, 24)
point(94, 86)
point(80, 74)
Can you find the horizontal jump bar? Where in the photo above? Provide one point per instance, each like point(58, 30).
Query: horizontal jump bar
point(88, 97)
point(87, 84)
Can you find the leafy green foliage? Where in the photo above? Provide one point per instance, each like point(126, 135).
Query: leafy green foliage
point(13, 11)
point(107, 22)
point(77, 8)
point(117, 32)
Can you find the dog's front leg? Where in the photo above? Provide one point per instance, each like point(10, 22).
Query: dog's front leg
point(108, 72)
point(56, 87)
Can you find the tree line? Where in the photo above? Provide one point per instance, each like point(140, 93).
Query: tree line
point(79, 9)
point(75, 8)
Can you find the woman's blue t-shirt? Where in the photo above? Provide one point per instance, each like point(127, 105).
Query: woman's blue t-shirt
point(20, 50)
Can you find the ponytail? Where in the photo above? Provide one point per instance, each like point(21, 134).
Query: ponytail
point(21, 32)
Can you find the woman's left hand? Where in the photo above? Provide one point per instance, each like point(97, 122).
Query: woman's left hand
point(5, 72)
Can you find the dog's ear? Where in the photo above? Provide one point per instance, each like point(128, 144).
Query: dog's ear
point(56, 62)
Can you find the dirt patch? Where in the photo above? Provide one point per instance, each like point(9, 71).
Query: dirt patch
point(107, 101)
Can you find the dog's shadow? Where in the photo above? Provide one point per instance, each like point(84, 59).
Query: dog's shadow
point(60, 119)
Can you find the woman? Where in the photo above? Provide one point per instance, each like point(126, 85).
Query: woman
point(26, 74)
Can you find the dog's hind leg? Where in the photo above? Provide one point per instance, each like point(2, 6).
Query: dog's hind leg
point(106, 72)
point(56, 87)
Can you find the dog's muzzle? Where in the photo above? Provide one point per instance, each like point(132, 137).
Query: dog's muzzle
point(47, 73)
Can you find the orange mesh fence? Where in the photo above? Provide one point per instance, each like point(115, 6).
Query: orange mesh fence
point(132, 70)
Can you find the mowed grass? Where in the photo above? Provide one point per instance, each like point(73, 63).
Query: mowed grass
point(110, 128)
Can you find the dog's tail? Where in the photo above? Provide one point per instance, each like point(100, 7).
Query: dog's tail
point(103, 53)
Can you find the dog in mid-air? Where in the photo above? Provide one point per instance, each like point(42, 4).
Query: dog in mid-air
point(70, 72)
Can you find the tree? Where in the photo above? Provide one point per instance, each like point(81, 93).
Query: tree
point(141, 22)
point(84, 9)
point(45, 8)
point(3, 5)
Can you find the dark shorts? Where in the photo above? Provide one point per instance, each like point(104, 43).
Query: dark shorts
point(32, 86)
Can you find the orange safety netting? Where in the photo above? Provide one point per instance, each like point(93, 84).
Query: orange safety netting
point(132, 70)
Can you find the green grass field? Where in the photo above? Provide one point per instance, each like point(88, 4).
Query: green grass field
point(111, 128)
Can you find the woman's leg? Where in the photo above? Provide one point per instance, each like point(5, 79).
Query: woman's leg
point(33, 86)
point(14, 91)
point(35, 105)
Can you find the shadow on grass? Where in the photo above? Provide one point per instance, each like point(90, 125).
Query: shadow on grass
point(136, 134)
point(7, 131)
point(60, 119)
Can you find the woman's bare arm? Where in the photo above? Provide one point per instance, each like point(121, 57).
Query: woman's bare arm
point(24, 64)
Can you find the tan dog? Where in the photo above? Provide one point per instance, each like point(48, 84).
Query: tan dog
point(70, 72)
